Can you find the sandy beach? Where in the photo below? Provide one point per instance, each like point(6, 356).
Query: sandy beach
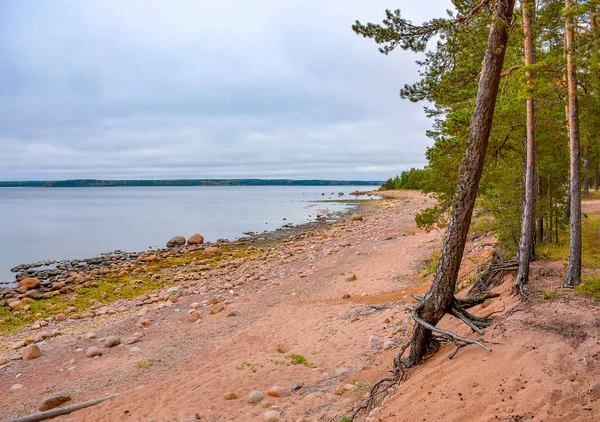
point(310, 323)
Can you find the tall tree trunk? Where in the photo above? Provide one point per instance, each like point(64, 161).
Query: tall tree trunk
point(586, 173)
point(440, 296)
point(573, 277)
point(597, 176)
point(528, 217)
point(550, 210)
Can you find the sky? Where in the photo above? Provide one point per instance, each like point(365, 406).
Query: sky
point(147, 89)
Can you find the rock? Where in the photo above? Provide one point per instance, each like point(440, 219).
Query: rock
point(93, 351)
point(350, 277)
point(346, 296)
point(14, 304)
point(215, 309)
point(112, 341)
point(196, 305)
point(195, 239)
point(16, 387)
point(194, 316)
point(91, 336)
point(212, 251)
point(230, 395)
point(60, 317)
point(271, 416)
point(135, 349)
point(255, 397)
point(176, 241)
point(52, 402)
point(297, 385)
point(356, 217)
point(29, 283)
point(277, 391)
point(32, 352)
point(3, 361)
point(19, 344)
point(345, 244)
point(174, 290)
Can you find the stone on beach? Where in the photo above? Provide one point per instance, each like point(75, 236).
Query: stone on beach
point(32, 352)
point(93, 351)
point(271, 416)
point(29, 283)
point(277, 391)
point(195, 239)
point(194, 316)
point(255, 397)
point(112, 341)
point(176, 241)
point(54, 401)
point(230, 395)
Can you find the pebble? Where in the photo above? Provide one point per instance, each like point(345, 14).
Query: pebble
point(16, 387)
point(271, 416)
point(255, 397)
point(93, 351)
point(135, 349)
point(91, 336)
point(112, 341)
point(32, 352)
point(194, 316)
point(297, 385)
point(230, 395)
point(277, 391)
point(54, 401)
point(350, 277)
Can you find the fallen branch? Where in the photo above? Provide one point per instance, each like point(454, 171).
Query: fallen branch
point(62, 411)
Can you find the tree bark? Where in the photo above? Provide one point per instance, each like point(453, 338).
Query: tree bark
point(586, 173)
point(440, 296)
point(597, 176)
point(573, 277)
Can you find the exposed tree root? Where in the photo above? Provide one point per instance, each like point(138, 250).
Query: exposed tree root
point(458, 310)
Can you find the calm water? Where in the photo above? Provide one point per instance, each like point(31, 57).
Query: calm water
point(62, 223)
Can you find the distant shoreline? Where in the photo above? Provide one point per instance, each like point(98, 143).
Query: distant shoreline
point(91, 183)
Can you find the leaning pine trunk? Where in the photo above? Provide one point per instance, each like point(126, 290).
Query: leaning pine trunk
point(441, 294)
point(573, 277)
point(528, 217)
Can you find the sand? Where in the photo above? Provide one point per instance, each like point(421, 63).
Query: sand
point(547, 367)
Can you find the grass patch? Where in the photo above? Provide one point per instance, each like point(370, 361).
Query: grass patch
point(431, 265)
point(252, 366)
point(549, 293)
point(143, 364)
point(110, 288)
point(296, 359)
point(590, 286)
point(590, 238)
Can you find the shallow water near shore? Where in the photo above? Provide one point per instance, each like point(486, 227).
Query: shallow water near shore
point(39, 224)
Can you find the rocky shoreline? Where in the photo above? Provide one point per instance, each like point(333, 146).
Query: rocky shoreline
point(36, 282)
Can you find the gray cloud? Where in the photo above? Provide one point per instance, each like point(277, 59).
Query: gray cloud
point(155, 89)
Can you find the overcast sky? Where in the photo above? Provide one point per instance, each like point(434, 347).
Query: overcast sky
point(205, 89)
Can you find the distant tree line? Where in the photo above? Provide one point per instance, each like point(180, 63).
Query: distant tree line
point(413, 179)
point(87, 183)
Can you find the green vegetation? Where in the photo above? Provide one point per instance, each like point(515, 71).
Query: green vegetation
point(143, 364)
point(252, 366)
point(413, 179)
point(296, 359)
point(111, 287)
point(590, 286)
point(549, 293)
point(431, 265)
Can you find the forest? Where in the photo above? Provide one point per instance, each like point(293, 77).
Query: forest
point(512, 90)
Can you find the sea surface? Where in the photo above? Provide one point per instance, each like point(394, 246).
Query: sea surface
point(39, 224)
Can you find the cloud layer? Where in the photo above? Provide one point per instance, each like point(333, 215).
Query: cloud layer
point(178, 89)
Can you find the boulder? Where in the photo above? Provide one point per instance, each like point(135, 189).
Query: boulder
point(195, 239)
point(29, 283)
point(112, 341)
point(271, 416)
point(93, 351)
point(212, 251)
point(32, 352)
point(255, 397)
point(176, 241)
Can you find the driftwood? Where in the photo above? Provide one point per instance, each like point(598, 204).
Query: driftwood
point(62, 410)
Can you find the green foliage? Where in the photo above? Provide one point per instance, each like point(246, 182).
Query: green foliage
point(413, 179)
point(549, 293)
point(143, 364)
point(590, 286)
point(431, 265)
